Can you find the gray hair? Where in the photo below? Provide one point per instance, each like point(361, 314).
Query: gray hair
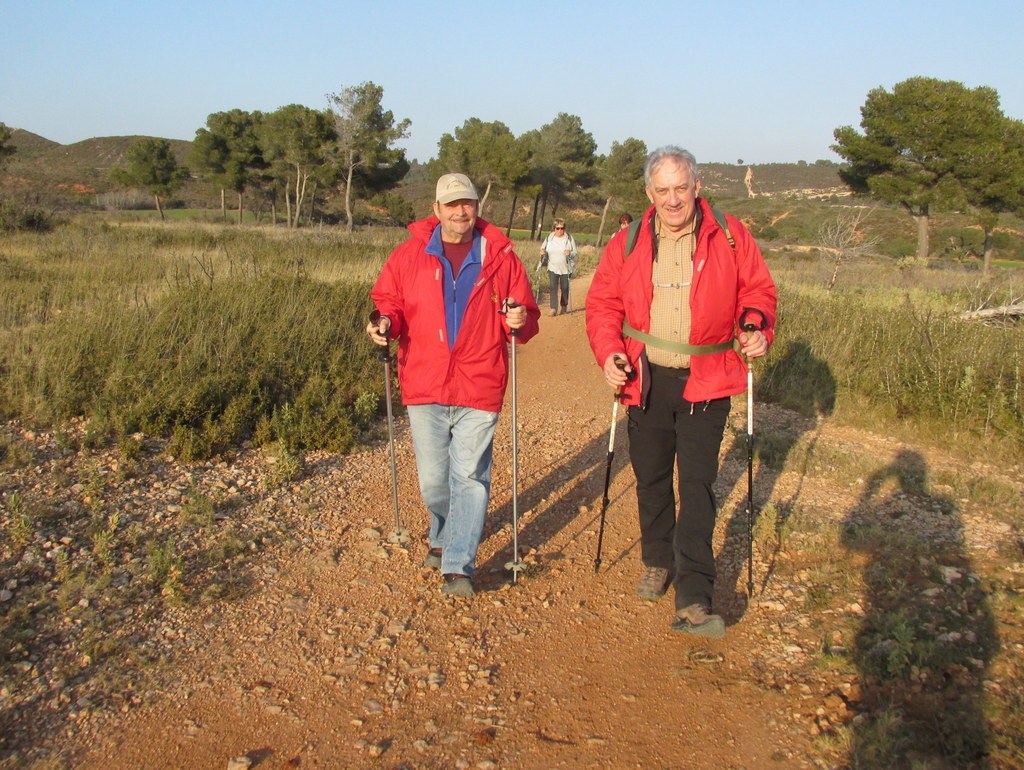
point(673, 153)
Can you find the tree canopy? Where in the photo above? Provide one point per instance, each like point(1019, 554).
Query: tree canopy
point(6, 148)
point(993, 179)
point(561, 158)
point(365, 133)
point(228, 150)
point(920, 145)
point(621, 177)
point(295, 141)
point(152, 166)
point(487, 152)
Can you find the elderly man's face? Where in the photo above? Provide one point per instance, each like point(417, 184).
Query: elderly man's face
point(674, 194)
point(457, 219)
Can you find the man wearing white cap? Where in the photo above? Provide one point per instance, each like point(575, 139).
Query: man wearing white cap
point(452, 294)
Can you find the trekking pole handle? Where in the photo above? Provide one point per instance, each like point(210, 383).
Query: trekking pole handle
point(385, 353)
point(621, 363)
point(505, 307)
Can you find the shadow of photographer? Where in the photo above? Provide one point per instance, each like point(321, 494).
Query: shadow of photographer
point(927, 634)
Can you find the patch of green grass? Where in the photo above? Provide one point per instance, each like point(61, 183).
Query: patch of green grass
point(164, 568)
point(198, 511)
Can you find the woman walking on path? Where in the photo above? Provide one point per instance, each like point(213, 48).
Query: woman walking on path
point(558, 255)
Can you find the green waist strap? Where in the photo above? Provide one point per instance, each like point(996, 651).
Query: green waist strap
point(678, 347)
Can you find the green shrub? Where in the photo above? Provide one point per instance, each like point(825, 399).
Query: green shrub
point(202, 361)
point(906, 358)
point(16, 216)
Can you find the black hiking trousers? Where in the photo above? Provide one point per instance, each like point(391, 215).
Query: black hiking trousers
point(675, 436)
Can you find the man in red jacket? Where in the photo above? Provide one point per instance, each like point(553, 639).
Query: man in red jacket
point(452, 294)
point(666, 323)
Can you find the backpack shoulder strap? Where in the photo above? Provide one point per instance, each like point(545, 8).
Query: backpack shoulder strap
point(720, 218)
point(631, 235)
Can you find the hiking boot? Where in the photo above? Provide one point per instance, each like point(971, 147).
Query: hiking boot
point(553, 312)
point(433, 558)
point(698, 620)
point(458, 585)
point(653, 583)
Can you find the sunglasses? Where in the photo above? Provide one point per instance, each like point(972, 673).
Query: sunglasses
point(559, 228)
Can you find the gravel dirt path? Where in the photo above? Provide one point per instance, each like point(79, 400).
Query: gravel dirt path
point(341, 652)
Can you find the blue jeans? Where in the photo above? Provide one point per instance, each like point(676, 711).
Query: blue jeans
point(453, 447)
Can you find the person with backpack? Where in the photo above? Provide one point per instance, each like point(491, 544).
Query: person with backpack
point(454, 294)
point(558, 255)
point(666, 316)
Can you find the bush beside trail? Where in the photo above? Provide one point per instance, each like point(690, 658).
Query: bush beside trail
point(250, 346)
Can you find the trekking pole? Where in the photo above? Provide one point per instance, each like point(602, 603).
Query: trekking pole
point(621, 364)
point(749, 327)
point(516, 566)
point(400, 535)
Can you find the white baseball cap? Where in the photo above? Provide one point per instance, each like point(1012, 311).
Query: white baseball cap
point(455, 187)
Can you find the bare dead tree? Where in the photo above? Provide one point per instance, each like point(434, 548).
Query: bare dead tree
point(844, 239)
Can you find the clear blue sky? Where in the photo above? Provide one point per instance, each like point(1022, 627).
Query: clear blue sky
point(761, 81)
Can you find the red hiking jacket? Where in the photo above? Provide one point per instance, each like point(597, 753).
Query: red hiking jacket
point(474, 373)
point(726, 284)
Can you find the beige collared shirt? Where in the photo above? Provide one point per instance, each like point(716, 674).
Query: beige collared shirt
point(670, 306)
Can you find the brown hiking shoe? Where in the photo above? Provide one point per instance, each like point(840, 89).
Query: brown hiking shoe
point(696, 619)
point(653, 583)
point(457, 585)
point(433, 558)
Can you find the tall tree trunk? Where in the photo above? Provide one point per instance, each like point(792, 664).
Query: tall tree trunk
point(922, 235)
point(543, 215)
point(223, 205)
point(239, 207)
point(533, 220)
point(987, 259)
point(604, 214)
point(288, 203)
point(300, 190)
point(312, 204)
point(348, 192)
point(483, 201)
point(159, 208)
point(512, 213)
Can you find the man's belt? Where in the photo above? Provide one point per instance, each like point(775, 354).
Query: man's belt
point(679, 347)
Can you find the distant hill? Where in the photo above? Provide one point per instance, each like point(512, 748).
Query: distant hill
point(29, 145)
point(55, 172)
point(818, 179)
point(61, 174)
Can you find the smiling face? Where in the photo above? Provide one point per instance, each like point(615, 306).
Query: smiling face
point(457, 220)
point(673, 191)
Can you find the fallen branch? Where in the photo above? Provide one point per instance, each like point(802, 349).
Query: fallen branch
point(1002, 313)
